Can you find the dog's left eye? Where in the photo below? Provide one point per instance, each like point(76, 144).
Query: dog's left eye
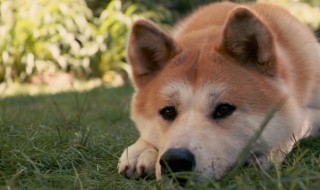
point(169, 113)
point(223, 110)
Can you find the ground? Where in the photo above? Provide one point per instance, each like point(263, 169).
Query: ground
point(73, 141)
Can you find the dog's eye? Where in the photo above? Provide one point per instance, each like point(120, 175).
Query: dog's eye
point(223, 110)
point(169, 113)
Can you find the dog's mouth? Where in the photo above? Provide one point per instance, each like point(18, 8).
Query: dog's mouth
point(176, 163)
point(179, 163)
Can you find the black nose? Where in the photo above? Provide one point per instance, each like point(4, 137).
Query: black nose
point(177, 160)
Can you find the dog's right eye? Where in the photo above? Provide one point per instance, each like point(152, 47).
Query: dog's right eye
point(168, 113)
point(223, 110)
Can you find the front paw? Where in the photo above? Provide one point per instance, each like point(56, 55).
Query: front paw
point(267, 160)
point(138, 161)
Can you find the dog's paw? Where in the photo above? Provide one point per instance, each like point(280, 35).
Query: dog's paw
point(267, 160)
point(261, 160)
point(138, 161)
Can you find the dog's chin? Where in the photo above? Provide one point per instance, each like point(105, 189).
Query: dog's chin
point(185, 179)
point(212, 175)
point(196, 177)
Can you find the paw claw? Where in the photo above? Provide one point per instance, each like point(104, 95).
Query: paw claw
point(138, 162)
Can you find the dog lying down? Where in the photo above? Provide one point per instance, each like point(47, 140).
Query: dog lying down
point(204, 91)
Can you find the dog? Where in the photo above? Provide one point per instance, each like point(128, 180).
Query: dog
point(204, 90)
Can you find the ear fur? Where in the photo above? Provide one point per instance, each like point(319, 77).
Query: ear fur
point(149, 49)
point(247, 39)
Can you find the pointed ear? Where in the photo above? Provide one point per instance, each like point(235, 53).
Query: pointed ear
point(149, 49)
point(248, 40)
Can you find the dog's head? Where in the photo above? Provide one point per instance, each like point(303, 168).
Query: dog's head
point(200, 98)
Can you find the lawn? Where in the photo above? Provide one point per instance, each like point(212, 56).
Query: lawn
point(73, 141)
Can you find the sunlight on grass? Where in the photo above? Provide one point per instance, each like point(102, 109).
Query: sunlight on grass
point(15, 89)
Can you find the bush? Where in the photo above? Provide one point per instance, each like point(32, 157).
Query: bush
point(114, 24)
point(43, 37)
point(307, 11)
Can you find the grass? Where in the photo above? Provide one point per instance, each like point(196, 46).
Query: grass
point(73, 141)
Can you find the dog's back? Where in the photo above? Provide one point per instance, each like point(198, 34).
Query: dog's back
point(303, 53)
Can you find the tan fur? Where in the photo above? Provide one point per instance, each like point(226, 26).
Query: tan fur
point(253, 56)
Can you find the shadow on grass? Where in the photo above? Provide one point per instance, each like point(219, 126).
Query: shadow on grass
point(66, 140)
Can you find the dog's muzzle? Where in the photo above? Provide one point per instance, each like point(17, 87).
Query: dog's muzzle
point(177, 160)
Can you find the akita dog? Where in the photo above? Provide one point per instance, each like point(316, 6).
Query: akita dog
point(205, 90)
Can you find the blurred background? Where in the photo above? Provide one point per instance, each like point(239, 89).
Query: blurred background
point(73, 44)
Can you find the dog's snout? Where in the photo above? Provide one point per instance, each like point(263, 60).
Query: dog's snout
point(177, 160)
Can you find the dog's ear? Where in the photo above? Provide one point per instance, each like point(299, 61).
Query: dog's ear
point(248, 40)
point(149, 49)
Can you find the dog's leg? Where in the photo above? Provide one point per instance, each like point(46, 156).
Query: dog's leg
point(315, 118)
point(275, 156)
point(314, 111)
point(138, 160)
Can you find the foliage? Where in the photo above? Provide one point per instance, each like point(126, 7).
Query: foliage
point(44, 36)
point(307, 11)
point(41, 37)
point(114, 24)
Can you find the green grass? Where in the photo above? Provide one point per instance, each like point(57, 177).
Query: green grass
point(73, 141)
